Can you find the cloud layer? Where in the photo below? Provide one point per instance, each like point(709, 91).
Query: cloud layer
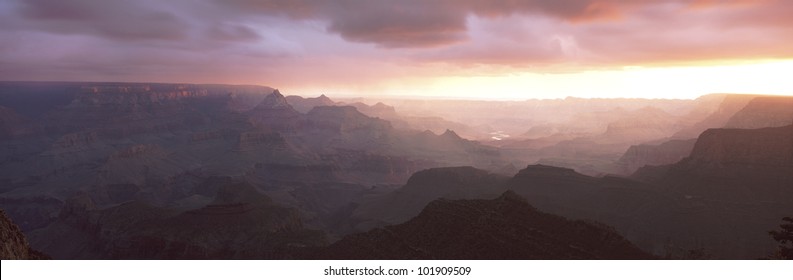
point(346, 42)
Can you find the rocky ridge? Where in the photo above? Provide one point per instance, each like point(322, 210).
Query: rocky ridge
point(503, 228)
point(13, 244)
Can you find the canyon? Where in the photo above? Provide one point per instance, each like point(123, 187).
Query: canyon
point(190, 171)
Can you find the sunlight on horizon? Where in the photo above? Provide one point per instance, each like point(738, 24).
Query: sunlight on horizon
point(680, 82)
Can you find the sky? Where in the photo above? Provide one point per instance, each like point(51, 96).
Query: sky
point(466, 49)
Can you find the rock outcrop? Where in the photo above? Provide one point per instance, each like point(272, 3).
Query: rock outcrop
point(13, 244)
point(304, 105)
point(764, 111)
point(503, 228)
point(729, 105)
point(737, 165)
point(425, 186)
point(637, 156)
point(736, 180)
point(677, 211)
point(274, 112)
point(240, 223)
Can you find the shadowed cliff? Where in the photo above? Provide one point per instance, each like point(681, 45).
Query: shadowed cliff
point(503, 228)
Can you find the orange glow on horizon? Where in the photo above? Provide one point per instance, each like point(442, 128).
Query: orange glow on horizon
point(678, 82)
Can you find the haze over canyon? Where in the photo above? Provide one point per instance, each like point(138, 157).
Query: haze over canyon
point(190, 171)
point(419, 129)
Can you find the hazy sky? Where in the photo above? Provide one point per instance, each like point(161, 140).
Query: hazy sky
point(445, 48)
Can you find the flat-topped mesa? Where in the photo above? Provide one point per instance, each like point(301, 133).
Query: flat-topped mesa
point(745, 165)
point(454, 182)
point(544, 178)
point(100, 95)
point(459, 174)
point(105, 89)
point(756, 147)
point(547, 170)
point(463, 182)
point(764, 111)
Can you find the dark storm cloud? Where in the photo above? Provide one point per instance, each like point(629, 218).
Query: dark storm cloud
point(122, 20)
point(572, 10)
point(232, 32)
point(418, 23)
point(311, 40)
point(404, 24)
point(392, 24)
point(399, 24)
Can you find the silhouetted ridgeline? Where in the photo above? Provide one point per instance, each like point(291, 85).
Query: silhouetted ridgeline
point(185, 171)
point(503, 228)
